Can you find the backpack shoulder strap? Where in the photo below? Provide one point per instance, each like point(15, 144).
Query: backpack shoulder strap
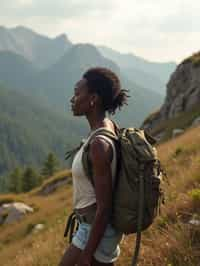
point(85, 156)
point(101, 131)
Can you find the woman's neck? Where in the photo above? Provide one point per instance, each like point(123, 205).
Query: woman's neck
point(96, 121)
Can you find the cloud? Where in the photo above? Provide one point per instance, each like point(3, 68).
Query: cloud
point(155, 29)
point(185, 19)
point(25, 2)
point(60, 8)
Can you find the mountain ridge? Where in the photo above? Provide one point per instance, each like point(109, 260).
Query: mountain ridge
point(129, 60)
point(37, 48)
point(49, 56)
point(56, 83)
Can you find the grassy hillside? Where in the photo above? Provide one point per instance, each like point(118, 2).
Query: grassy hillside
point(171, 241)
point(182, 121)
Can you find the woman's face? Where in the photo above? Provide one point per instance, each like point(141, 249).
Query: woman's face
point(80, 102)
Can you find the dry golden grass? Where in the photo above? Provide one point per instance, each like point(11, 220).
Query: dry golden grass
point(171, 241)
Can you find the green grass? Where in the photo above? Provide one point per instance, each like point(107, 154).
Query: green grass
point(182, 121)
point(195, 195)
point(194, 59)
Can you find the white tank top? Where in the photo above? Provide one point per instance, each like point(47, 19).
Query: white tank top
point(83, 190)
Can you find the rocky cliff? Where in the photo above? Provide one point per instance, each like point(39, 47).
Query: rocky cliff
point(183, 93)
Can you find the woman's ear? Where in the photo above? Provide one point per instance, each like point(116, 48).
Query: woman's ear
point(95, 99)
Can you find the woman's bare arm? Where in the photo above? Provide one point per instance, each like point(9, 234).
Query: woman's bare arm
point(100, 154)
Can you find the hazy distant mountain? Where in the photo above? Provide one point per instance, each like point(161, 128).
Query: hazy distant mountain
point(56, 84)
point(58, 81)
point(148, 74)
point(15, 70)
point(142, 101)
point(42, 51)
point(145, 80)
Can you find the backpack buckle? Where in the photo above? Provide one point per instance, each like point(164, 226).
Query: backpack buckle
point(80, 218)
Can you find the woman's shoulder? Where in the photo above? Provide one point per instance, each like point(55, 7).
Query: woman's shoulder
point(112, 126)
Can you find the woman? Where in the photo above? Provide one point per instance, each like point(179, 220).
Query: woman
point(96, 242)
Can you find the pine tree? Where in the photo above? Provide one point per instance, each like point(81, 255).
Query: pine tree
point(50, 165)
point(15, 181)
point(30, 179)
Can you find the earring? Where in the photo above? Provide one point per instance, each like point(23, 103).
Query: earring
point(91, 103)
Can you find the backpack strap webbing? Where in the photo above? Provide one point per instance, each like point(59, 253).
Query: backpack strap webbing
point(73, 151)
point(85, 157)
point(140, 215)
point(70, 226)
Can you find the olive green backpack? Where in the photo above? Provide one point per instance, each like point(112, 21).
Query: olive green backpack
point(137, 189)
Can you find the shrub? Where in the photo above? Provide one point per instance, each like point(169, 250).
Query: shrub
point(195, 194)
point(177, 152)
point(29, 228)
point(162, 222)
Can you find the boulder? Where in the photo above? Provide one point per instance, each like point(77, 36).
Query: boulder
point(177, 132)
point(38, 227)
point(194, 222)
point(12, 212)
point(196, 122)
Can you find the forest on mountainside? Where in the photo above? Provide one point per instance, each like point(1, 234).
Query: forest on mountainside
point(28, 132)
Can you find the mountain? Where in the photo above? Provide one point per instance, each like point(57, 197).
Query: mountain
point(147, 74)
point(58, 82)
point(15, 70)
point(145, 80)
point(42, 51)
point(183, 97)
point(141, 102)
point(29, 131)
point(55, 84)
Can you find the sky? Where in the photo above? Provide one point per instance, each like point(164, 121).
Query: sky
point(157, 30)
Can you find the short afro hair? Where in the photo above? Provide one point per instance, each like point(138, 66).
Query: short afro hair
point(107, 85)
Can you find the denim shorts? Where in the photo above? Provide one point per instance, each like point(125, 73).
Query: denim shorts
point(108, 249)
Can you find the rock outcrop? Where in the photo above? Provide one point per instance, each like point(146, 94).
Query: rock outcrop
point(177, 132)
point(183, 92)
point(53, 185)
point(196, 122)
point(12, 212)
